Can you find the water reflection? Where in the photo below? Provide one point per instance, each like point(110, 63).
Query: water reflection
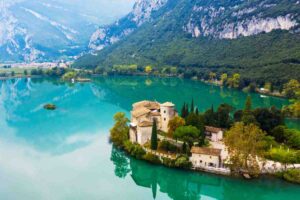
point(183, 185)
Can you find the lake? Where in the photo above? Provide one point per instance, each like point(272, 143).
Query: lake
point(65, 154)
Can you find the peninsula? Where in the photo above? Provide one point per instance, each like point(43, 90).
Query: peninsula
point(158, 134)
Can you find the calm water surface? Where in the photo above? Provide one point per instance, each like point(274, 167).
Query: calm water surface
point(65, 154)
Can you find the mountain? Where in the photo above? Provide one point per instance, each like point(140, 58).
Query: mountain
point(47, 30)
point(258, 38)
point(142, 12)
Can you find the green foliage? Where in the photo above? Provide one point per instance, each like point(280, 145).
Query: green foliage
point(134, 150)
point(154, 139)
point(268, 119)
point(223, 116)
point(183, 162)
point(245, 143)
point(167, 146)
point(292, 110)
point(285, 156)
point(292, 175)
point(292, 89)
point(119, 132)
point(267, 57)
point(174, 124)
point(188, 134)
point(152, 158)
point(248, 116)
point(125, 69)
point(69, 75)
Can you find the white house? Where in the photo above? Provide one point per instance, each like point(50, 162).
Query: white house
point(142, 116)
point(214, 134)
point(203, 157)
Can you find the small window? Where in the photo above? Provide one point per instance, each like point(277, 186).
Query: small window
point(165, 119)
point(200, 161)
point(165, 111)
point(210, 157)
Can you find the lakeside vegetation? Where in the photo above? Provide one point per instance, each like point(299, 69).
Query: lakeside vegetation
point(251, 134)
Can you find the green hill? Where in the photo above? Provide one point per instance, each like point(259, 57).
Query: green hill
point(195, 34)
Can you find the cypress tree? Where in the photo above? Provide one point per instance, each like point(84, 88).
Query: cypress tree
point(192, 106)
point(187, 112)
point(183, 113)
point(154, 136)
point(197, 111)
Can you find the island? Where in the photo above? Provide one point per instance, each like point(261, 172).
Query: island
point(193, 141)
point(50, 106)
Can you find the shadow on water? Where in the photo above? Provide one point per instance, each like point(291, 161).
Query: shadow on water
point(188, 185)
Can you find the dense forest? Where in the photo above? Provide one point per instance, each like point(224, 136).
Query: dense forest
point(272, 57)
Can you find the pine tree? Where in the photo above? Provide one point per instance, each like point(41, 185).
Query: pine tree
point(154, 136)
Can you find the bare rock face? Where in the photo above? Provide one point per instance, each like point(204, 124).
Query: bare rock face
point(242, 19)
point(141, 13)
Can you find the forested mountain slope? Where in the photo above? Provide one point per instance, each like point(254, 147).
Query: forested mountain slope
point(258, 38)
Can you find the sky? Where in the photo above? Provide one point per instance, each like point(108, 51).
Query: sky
point(110, 9)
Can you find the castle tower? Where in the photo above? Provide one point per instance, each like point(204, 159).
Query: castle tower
point(168, 112)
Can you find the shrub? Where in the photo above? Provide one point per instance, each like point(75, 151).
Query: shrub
point(152, 158)
point(168, 162)
point(134, 150)
point(167, 146)
point(292, 175)
point(183, 162)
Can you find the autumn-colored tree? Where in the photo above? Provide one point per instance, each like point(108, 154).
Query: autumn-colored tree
point(119, 132)
point(212, 76)
point(148, 69)
point(175, 123)
point(245, 143)
point(224, 78)
point(292, 89)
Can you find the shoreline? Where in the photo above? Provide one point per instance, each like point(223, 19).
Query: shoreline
point(151, 75)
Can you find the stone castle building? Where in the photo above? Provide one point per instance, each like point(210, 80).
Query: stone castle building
point(142, 116)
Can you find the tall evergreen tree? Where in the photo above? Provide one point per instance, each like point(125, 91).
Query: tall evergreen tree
point(183, 111)
point(187, 111)
point(192, 106)
point(154, 136)
point(197, 111)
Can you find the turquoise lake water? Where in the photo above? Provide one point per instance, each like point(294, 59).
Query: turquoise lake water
point(65, 154)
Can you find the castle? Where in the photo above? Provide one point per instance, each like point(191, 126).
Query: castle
point(142, 116)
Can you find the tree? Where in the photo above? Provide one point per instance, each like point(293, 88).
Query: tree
point(25, 72)
point(224, 78)
point(188, 134)
point(148, 69)
point(120, 131)
point(292, 89)
point(192, 106)
point(154, 142)
point(212, 76)
point(174, 124)
point(223, 115)
point(197, 121)
point(236, 80)
point(245, 143)
point(69, 75)
point(12, 73)
point(210, 117)
point(248, 116)
point(268, 119)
